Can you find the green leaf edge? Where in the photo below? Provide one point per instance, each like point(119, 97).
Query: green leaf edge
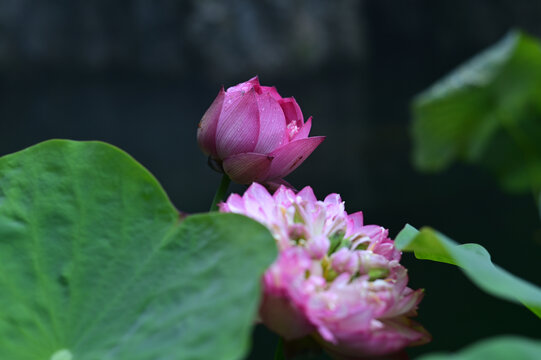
point(119, 152)
point(474, 261)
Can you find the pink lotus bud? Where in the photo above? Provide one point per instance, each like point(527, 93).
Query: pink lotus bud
point(254, 134)
point(335, 279)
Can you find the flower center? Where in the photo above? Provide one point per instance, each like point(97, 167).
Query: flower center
point(292, 128)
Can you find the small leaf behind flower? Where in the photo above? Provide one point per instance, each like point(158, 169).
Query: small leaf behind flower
point(496, 348)
point(279, 352)
point(474, 260)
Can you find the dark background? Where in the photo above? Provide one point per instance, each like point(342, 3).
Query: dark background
point(139, 75)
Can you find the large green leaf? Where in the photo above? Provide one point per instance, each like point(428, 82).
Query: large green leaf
point(97, 264)
point(497, 348)
point(474, 260)
point(487, 111)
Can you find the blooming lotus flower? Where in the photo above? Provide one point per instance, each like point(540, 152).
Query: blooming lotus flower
point(335, 279)
point(254, 134)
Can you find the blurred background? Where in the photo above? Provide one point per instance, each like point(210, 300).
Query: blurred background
point(139, 74)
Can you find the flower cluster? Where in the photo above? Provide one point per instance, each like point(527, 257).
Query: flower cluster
point(335, 278)
point(253, 134)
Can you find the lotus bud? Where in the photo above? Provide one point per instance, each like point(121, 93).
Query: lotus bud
point(253, 134)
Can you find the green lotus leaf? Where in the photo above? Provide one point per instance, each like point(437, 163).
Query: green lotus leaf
point(97, 264)
point(486, 112)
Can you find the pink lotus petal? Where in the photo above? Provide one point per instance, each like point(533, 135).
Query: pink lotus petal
point(281, 316)
point(281, 281)
point(387, 249)
point(405, 304)
point(284, 196)
point(349, 322)
point(234, 204)
point(307, 194)
point(368, 260)
point(318, 246)
point(246, 168)
point(259, 202)
point(206, 132)
point(374, 232)
point(238, 128)
point(231, 101)
point(393, 336)
point(344, 260)
point(332, 199)
point(290, 156)
point(272, 128)
point(326, 334)
point(400, 276)
point(271, 90)
point(304, 131)
point(245, 86)
point(355, 222)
